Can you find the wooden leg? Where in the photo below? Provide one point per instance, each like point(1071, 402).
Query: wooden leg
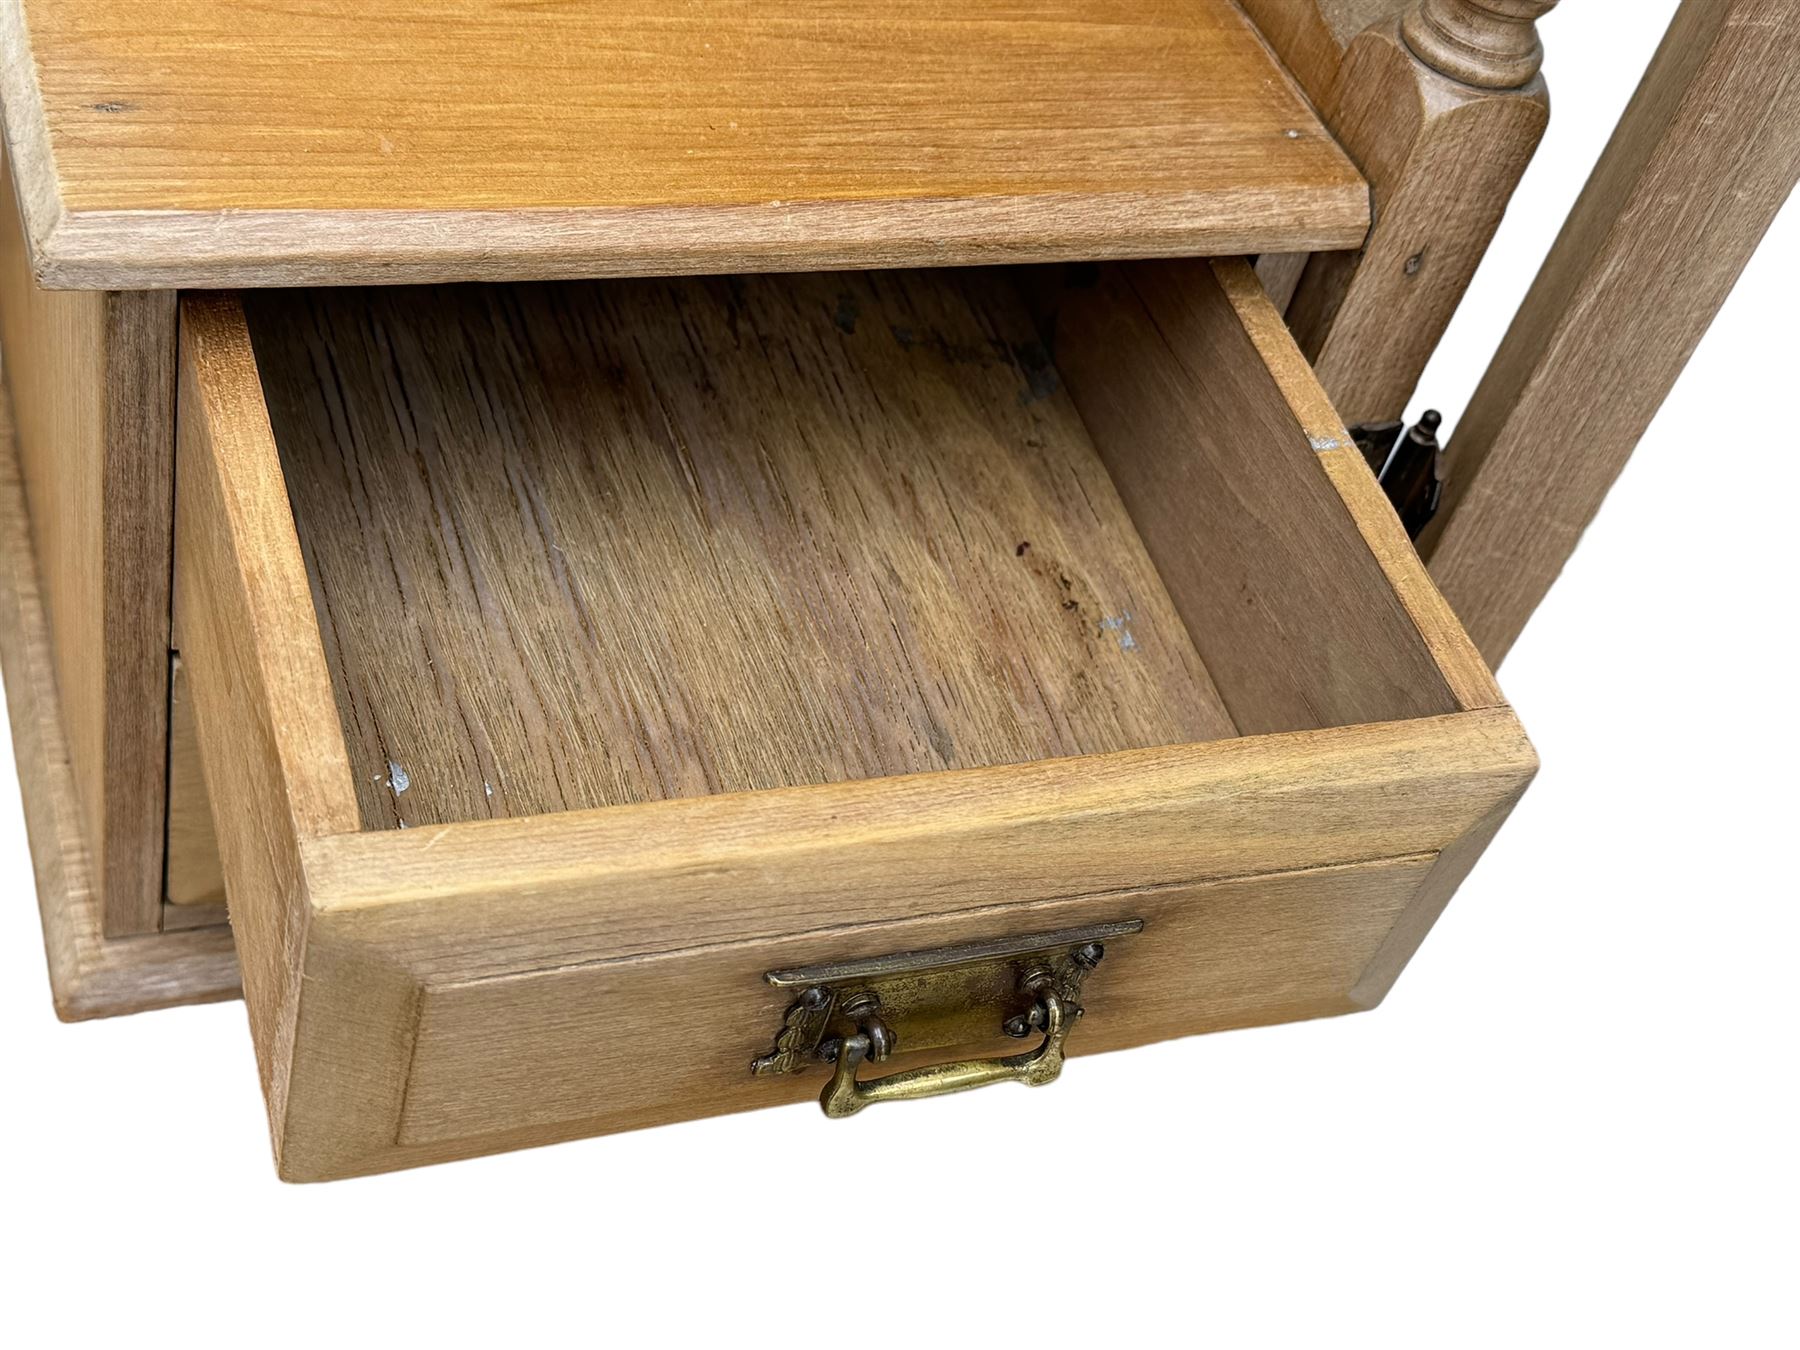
point(1699, 165)
point(1442, 110)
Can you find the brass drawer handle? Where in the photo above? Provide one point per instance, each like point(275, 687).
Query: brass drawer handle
point(845, 1096)
point(856, 1012)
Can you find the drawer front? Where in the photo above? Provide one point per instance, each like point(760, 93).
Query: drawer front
point(467, 985)
point(620, 1044)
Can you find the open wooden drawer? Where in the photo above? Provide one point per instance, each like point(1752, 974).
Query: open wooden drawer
point(565, 658)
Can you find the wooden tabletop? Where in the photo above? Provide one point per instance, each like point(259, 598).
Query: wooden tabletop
point(279, 142)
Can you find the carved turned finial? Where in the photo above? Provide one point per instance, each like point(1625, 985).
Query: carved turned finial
point(1492, 44)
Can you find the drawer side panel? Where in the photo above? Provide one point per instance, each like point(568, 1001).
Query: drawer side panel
point(275, 766)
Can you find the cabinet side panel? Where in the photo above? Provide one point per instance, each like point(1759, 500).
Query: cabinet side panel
point(90, 975)
point(91, 376)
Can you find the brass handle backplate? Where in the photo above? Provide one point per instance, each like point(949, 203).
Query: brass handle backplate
point(856, 1012)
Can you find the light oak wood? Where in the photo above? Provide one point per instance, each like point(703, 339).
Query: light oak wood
point(1443, 157)
point(1470, 681)
point(403, 142)
point(1215, 955)
point(204, 913)
point(500, 893)
point(1448, 869)
point(276, 769)
point(1439, 103)
point(91, 975)
point(1171, 381)
point(1280, 274)
point(1699, 165)
point(193, 877)
point(456, 988)
point(687, 537)
point(420, 930)
point(1311, 36)
point(91, 378)
point(1491, 44)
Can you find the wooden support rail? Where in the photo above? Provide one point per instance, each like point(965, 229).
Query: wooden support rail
point(1702, 160)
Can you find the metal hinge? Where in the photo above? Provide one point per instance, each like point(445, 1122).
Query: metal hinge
point(1409, 465)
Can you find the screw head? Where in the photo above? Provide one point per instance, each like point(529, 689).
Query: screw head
point(1089, 955)
point(1017, 1027)
point(861, 1005)
point(815, 998)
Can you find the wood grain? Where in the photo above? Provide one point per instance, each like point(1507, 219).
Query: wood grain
point(1212, 427)
point(525, 924)
point(1491, 44)
point(491, 1060)
point(1310, 36)
point(501, 897)
point(443, 959)
point(404, 142)
point(580, 545)
point(275, 765)
point(1702, 160)
point(92, 383)
point(1443, 158)
point(1280, 274)
point(1291, 382)
point(1449, 868)
point(193, 877)
point(1471, 683)
point(91, 975)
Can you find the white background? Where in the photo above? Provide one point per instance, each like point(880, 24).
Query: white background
point(1573, 1121)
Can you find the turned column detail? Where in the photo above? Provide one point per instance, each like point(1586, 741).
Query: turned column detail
point(1440, 104)
point(1491, 44)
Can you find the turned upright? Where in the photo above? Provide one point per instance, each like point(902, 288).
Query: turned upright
point(1441, 104)
point(1491, 44)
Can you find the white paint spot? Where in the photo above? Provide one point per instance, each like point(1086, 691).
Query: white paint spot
point(1116, 623)
point(398, 778)
point(1292, 133)
point(1326, 443)
point(488, 788)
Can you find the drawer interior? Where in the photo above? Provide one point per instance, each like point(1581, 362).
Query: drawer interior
point(586, 544)
point(699, 628)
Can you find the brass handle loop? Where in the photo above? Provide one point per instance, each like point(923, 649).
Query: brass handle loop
point(845, 1096)
point(848, 1013)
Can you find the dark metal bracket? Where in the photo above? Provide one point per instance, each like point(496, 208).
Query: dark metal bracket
point(1409, 465)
